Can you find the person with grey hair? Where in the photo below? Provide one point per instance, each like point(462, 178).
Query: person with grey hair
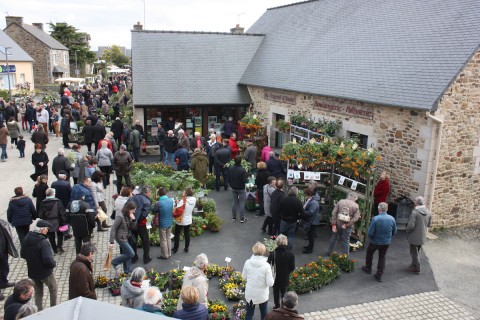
point(153, 301)
point(61, 163)
point(182, 139)
point(26, 310)
point(287, 311)
point(283, 259)
point(131, 291)
point(143, 205)
point(344, 216)
point(211, 146)
point(52, 210)
point(37, 251)
point(382, 229)
point(291, 210)
point(417, 229)
point(195, 277)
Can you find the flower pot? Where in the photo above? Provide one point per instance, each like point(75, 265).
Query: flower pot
point(115, 292)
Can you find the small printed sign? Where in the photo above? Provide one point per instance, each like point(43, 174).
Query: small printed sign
point(296, 175)
point(228, 260)
point(290, 174)
point(307, 175)
point(185, 268)
point(354, 185)
point(341, 181)
point(317, 176)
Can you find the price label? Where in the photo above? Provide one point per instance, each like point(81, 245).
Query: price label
point(290, 174)
point(307, 175)
point(228, 260)
point(341, 181)
point(296, 175)
point(185, 268)
point(354, 185)
point(149, 225)
point(317, 176)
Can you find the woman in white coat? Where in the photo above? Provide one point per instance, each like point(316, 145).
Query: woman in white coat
point(184, 225)
point(258, 275)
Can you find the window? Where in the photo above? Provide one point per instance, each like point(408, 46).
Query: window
point(54, 59)
point(22, 77)
point(362, 139)
point(4, 81)
point(65, 58)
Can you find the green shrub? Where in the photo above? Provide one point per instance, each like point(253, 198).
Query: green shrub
point(209, 205)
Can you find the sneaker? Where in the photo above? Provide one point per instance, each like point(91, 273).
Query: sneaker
point(234, 219)
point(243, 220)
point(377, 277)
point(367, 270)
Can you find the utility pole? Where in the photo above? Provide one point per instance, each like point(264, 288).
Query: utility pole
point(8, 72)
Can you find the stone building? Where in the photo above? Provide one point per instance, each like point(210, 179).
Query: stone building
point(51, 58)
point(404, 76)
point(20, 65)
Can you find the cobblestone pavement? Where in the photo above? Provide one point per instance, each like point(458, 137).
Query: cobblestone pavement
point(15, 172)
point(427, 305)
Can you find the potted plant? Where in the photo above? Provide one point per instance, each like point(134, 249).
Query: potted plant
point(282, 125)
point(114, 285)
point(214, 221)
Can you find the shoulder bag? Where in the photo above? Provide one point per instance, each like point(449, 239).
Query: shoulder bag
point(178, 212)
point(344, 215)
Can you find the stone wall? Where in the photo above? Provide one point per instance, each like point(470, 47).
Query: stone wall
point(404, 137)
point(456, 199)
point(59, 61)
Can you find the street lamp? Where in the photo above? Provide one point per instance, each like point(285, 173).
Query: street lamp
point(8, 71)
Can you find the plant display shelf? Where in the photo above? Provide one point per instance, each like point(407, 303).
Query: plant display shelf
point(304, 134)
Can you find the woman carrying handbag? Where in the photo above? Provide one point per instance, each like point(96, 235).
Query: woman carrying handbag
point(283, 260)
point(188, 202)
point(120, 232)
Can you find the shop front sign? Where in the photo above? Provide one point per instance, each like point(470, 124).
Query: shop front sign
point(353, 111)
point(11, 68)
point(280, 97)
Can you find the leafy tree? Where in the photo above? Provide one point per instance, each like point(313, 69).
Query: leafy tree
point(116, 56)
point(75, 41)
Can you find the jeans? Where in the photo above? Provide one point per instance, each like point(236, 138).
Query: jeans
point(4, 151)
point(143, 233)
point(288, 229)
point(268, 225)
point(79, 241)
point(136, 154)
point(162, 151)
point(223, 173)
point(382, 252)
point(51, 283)
point(22, 152)
point(345, 234)
point(176, 238)
point(128, 182)
point(251, 310)
point(22, 232)
point(276, 225)
point(170, 158)
point(30, 125)
point(125, 257)
point(13, 141)
point(238, 200)
point(311, 237)
point(415, 253)
point(106, 174)
point(278, 293)
point(51, 238)
point(166, 242)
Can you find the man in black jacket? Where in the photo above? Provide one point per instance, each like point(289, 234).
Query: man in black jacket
point(6, 247)
point(117, 129)
point(291, 210)
point(238, 177)
point(99, 133)
point(22, 293)
point(61, 163)
point(87, 133)
point(276, 197)
point(37, 251)
point(81, 217)
point(171, 143)
point(63, 189)
point(221, 158)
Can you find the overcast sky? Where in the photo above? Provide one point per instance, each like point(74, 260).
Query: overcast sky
point(109, 21)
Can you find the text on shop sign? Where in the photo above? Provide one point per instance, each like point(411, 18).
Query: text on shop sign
point(280, 97)
point(359, 112)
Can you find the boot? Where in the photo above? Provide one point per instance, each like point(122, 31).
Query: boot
point(105, 225)
point(99, 227)
point(413, 270)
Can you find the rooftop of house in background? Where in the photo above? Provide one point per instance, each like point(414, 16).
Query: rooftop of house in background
point(15, 52)
point(389, 52)
point(191, 68)
point(37, 31)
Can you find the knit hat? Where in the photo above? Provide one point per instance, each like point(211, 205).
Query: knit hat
point(43, 224)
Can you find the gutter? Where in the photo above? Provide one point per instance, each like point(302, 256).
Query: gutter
point(431, 190)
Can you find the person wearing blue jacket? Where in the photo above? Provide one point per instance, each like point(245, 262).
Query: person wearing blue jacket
point(21, 212)
point(382, 229)
point(164, 209)
point(182, 158)
point(311, 208)
point(144, 206)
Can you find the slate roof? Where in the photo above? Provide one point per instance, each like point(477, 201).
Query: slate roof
point(390, 52)
point(44, 37)
point(16, 53)
point(190, 68)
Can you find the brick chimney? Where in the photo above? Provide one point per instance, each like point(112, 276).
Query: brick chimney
point(138, 26)
point(38, 25)
point(11, 19)
point(237, 30)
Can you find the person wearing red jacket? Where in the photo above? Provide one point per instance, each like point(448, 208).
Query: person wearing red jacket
point(382, 189)
point(232, 142)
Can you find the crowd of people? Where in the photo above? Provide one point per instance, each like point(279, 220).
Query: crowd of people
point(64, 211)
